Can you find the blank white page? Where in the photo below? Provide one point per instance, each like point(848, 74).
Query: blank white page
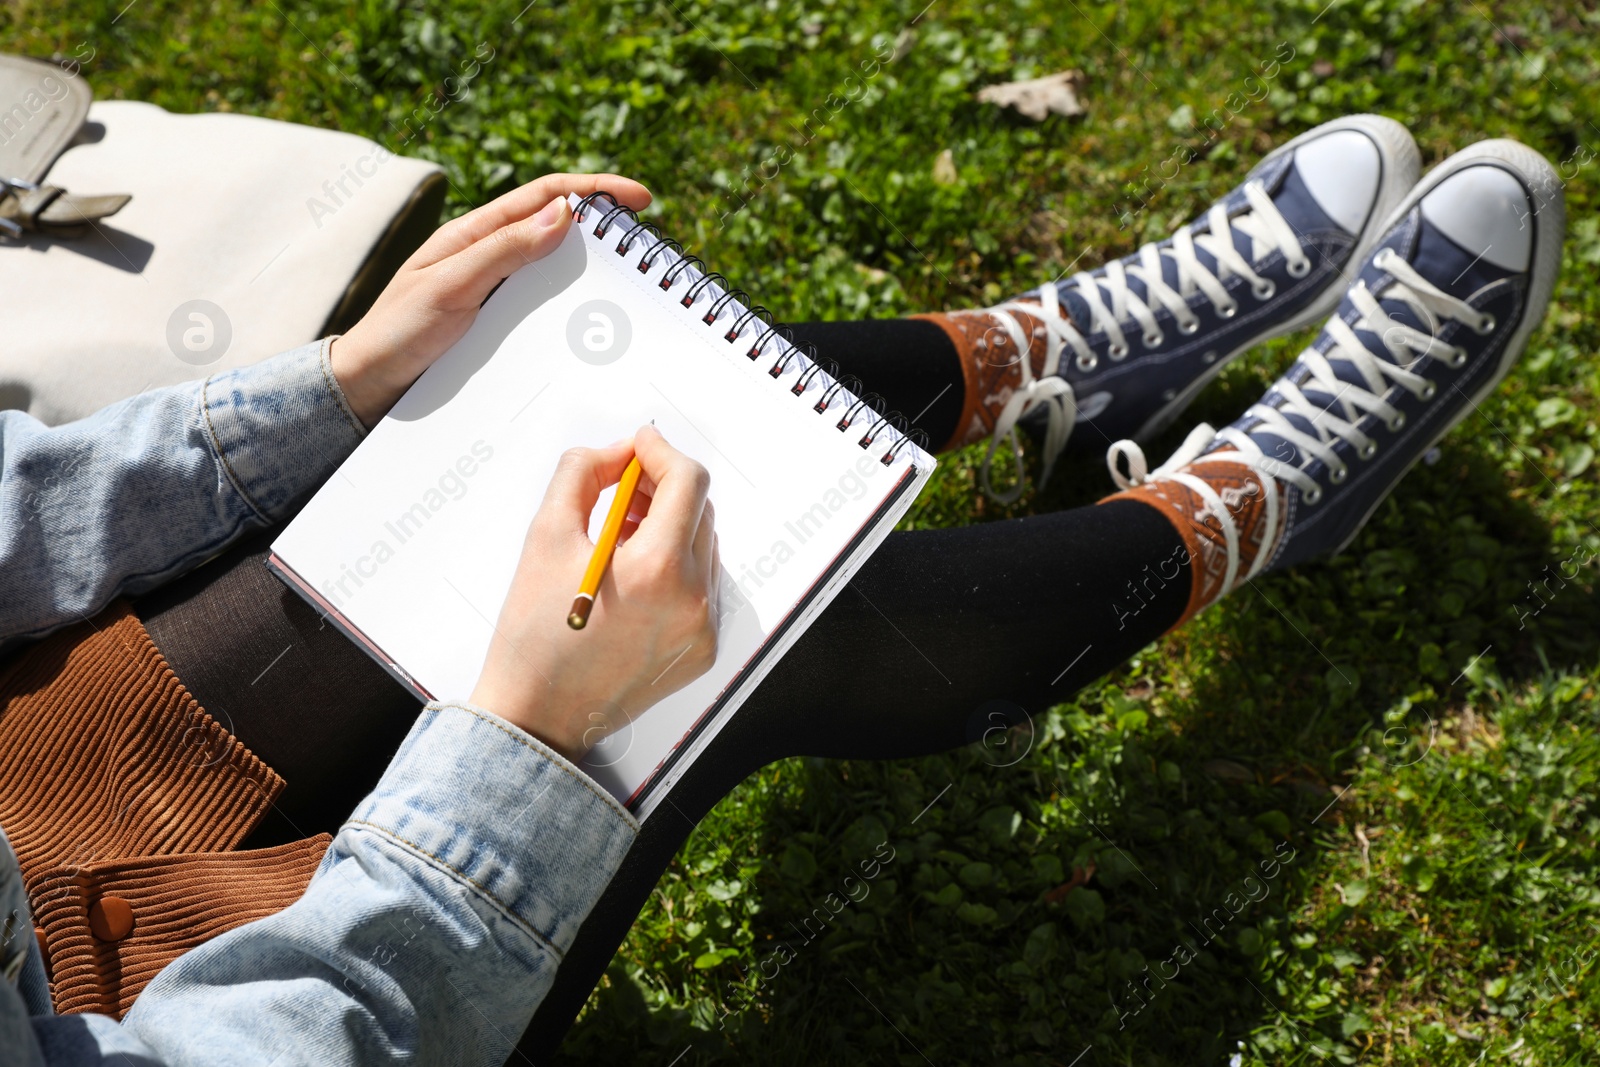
point(412, 544)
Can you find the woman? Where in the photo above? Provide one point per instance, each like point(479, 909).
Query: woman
point(1426, 325)
point(484, 903)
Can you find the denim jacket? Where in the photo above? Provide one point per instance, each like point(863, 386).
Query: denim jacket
point(438, 916)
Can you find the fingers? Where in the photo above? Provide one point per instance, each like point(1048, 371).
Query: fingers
point(681, 485)
point(581, 475)
point(469, 276)
point(637, 510)
point(520, 204)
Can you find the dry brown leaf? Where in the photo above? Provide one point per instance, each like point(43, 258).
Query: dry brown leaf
point(1038, 97)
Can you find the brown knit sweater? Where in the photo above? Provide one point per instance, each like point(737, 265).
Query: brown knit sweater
point(124, 802)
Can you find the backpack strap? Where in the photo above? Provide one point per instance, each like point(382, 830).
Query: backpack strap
point(28, 207)
point(42, 111)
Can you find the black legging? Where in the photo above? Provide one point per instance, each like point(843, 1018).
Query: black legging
point(941, 638)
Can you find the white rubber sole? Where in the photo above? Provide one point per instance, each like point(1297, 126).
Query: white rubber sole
point(1401, 163)
point(1544, 189)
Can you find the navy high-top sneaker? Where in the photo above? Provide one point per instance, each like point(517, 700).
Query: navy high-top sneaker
point(1436, 318)
point(1120, 351)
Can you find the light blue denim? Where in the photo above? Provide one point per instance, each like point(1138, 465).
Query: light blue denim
point(436, 921)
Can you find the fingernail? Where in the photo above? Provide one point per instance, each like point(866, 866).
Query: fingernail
point(550, 214)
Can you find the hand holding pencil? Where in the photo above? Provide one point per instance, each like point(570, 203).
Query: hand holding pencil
point(650, 614)
point(610, 533)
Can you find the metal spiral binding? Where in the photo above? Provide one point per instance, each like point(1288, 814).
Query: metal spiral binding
point(847, 385)
point(701, 284)
point(647, 260)
point(754, 311)
point(917, 436)
point(827, 365)
point(868, 400)
point(761, 342)
point(605, 223)
point(728, 297)
point(838, 384)
point(805, 348)
point(894, 418)
point(623, 246)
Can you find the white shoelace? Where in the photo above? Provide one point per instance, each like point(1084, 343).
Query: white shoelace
point(1267, 231)
point(1193, 451)
point(1337, 421)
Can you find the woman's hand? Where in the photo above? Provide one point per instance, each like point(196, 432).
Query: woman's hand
point(429, 304)
point(653, 629)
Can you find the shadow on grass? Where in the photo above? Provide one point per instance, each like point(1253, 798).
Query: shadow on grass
point(1126, 890)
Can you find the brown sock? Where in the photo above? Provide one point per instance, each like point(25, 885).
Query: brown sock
point(1243, 491)
point(990, 366)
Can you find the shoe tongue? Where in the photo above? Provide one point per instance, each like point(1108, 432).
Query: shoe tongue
point(1320, 396)
point(1436, 258)
point(1447, 265)
point(1076, 307)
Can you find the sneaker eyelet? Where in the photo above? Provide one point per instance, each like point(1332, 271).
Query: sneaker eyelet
point(1228, 310)
point(1397, 423)
point(1116, 352)
point(1368, 450)
point(1299, 268)
point(1189, 326)
point(1429, 391)
point(1209, 357)
point(1086, 363)
point(1153, 340)
point(1338, 475)
point(1485, 325)
point(1265, 291)
point(1312, 495)
point(1458, 360)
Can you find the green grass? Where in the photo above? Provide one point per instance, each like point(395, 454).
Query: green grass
point(1398, 720)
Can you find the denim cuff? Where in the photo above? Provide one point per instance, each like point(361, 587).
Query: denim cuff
point(280, 427)
point(504, 814)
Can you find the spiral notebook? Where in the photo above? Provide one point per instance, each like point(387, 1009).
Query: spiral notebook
point(410, 547)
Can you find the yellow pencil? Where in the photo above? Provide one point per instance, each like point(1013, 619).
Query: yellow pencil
point(607, 544)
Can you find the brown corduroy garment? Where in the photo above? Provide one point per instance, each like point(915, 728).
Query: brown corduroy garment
point(104, 754)
point(111, 775)
point(178, 902)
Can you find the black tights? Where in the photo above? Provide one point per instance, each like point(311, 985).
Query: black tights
point(943, 636)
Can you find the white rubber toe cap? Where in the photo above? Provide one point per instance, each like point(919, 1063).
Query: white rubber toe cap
point(1341, 171)
point(1485, 211)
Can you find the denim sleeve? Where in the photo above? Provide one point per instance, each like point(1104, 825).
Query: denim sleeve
point(143, 490)
point(429, 934)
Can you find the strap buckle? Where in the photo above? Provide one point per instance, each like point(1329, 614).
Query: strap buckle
point(8, 187)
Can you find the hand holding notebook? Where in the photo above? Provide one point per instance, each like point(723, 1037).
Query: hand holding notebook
point(414, 544)
point(435, 295)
